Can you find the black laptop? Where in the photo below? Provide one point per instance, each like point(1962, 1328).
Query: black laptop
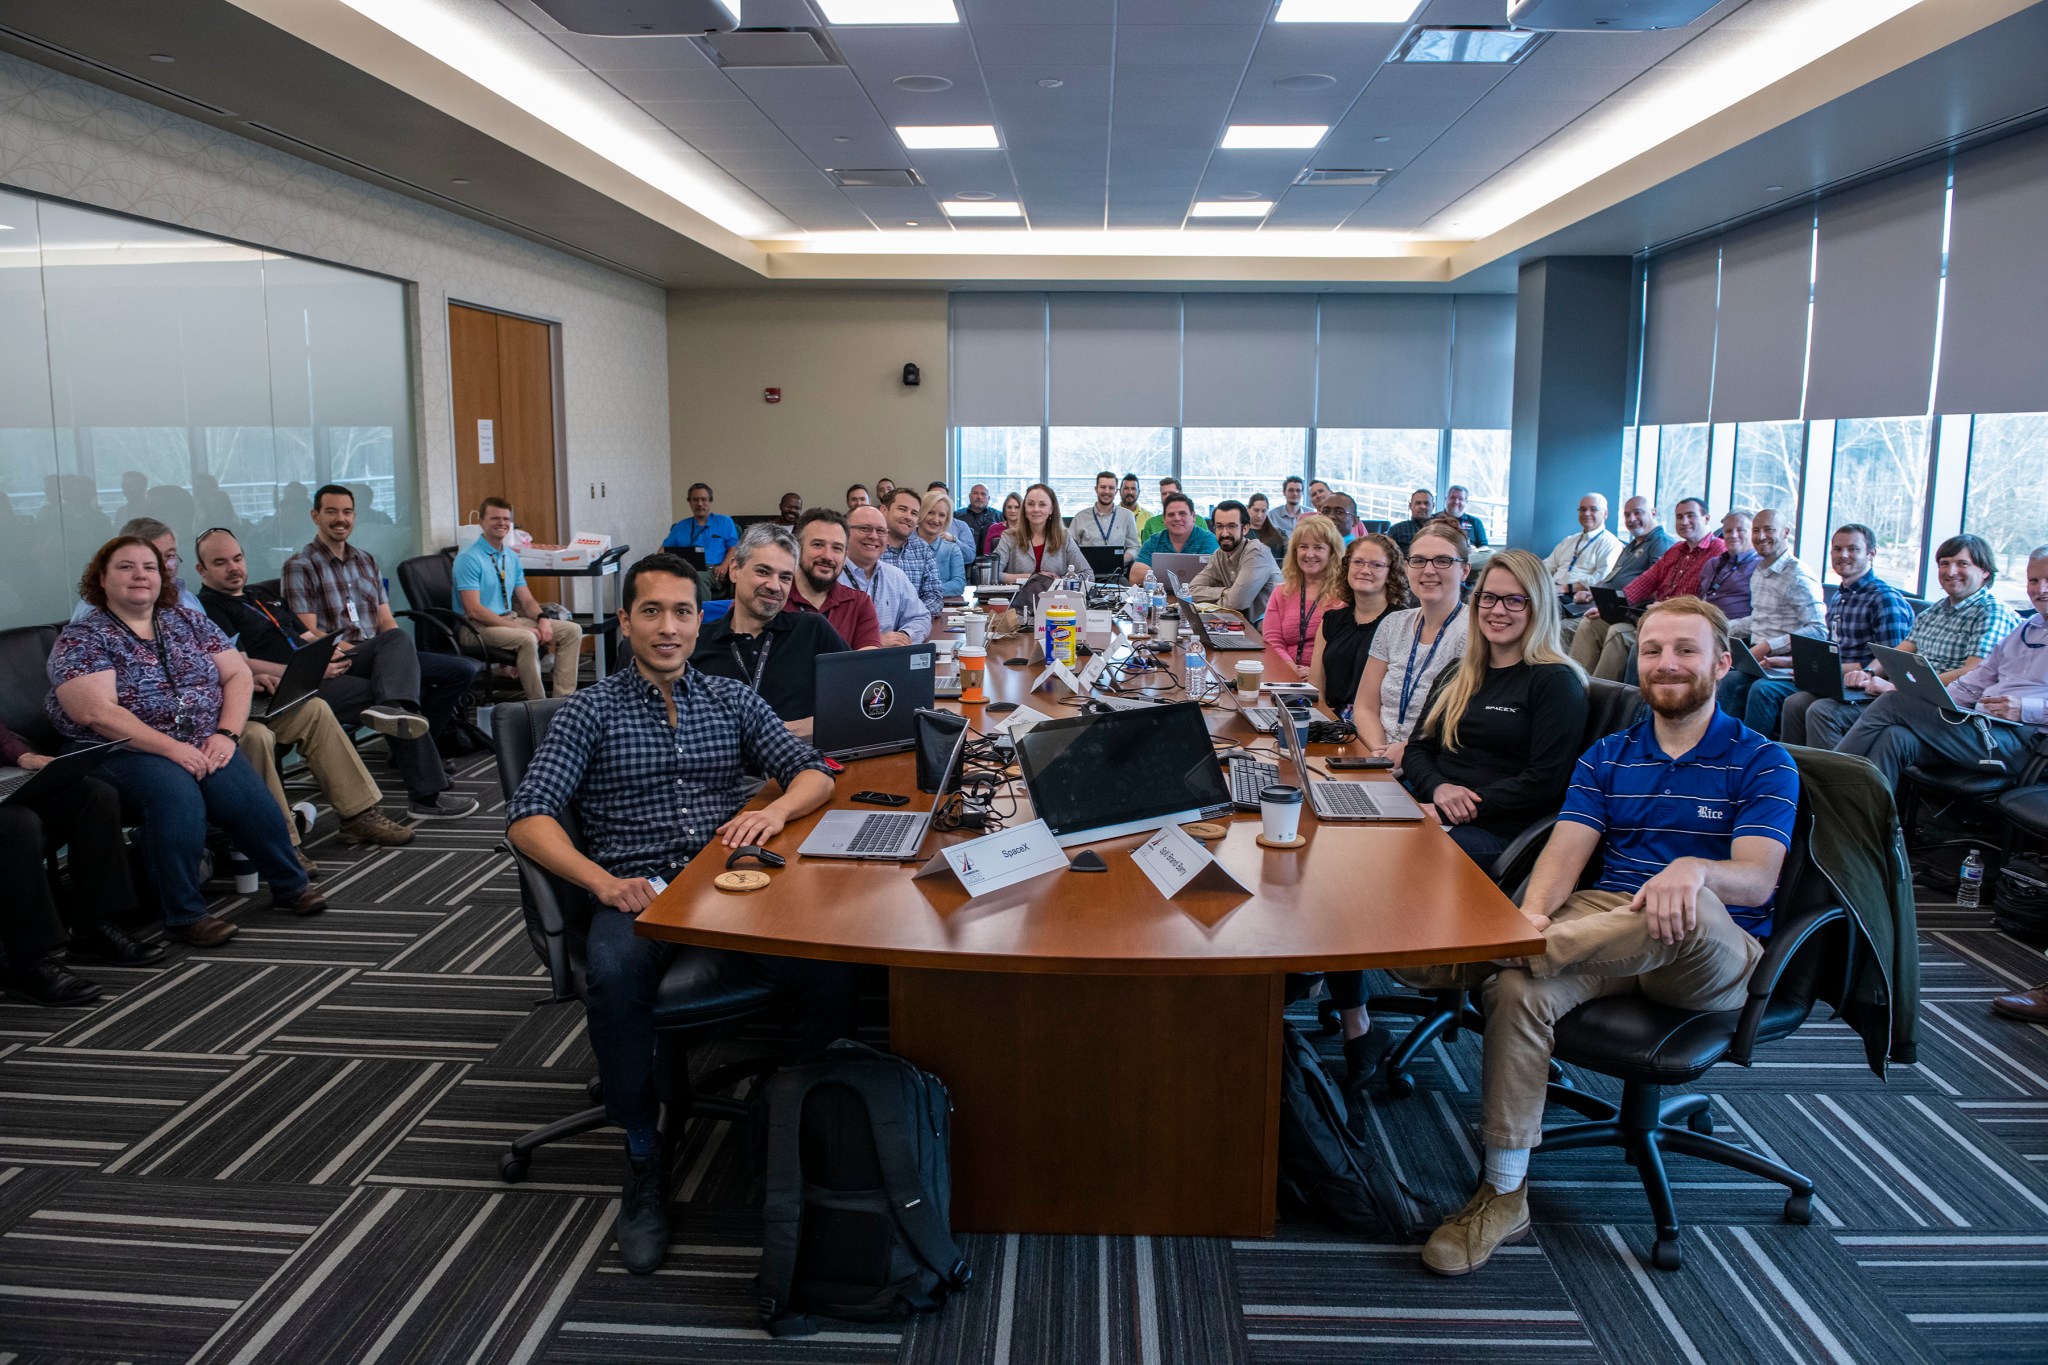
point(690, 554)
point(1746, 662)
point(1615, 608)
point(1817, 667)
point(1122, 772)
point(303, 674)
point(61, 772)
point(1106, 561)
point(867, 700)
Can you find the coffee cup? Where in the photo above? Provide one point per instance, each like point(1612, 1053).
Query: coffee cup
point(973, 673)
point(975, 629)
point(1279, 813)
point(1168, 627)
point(1251, 674)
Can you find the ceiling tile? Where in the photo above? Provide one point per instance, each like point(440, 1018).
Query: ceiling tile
point(1177, 44)
point(1238, 12)
point(1048, 44)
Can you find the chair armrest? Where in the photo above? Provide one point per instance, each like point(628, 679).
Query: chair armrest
point(1789, 937)
point(444, 627)
point(547, 924)
point(1515, 862)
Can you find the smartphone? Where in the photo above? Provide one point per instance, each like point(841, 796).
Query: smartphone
point(1343, 764)
point(881, 798)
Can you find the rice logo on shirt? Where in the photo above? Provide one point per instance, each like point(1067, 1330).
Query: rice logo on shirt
point(876, 699)
point(1709, 813)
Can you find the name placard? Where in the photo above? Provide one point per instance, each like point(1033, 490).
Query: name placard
point(1173, 862)
point(997, 860)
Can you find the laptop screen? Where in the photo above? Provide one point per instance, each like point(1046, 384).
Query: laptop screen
point(1090, 772)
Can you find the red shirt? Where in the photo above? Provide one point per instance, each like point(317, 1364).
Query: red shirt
point(849, 611)
point(1677, 574)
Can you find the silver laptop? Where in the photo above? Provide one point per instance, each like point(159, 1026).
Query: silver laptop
point(1213, 640)
point(1375, 802)
point(1912, 676)
point(1745, 661)
point(891, 836)
point(1183, 567)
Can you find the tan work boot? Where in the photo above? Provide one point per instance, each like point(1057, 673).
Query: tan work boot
point(1469, 1237)
point(372, 826)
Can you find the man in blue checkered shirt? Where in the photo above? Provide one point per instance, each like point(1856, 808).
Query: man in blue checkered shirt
point(910, 552)
point(652, 762)
point(1866, 611)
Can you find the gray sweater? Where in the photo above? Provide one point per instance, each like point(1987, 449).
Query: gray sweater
point(1015, 557)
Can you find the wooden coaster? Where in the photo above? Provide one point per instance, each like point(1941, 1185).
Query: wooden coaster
point(1299, 841)
point(746, 879)
point(1203, 830)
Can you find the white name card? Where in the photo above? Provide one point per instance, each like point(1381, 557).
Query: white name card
point(1173, 862)
point(997, 860)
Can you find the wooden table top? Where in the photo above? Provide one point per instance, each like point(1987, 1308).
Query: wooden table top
point(1355, 896)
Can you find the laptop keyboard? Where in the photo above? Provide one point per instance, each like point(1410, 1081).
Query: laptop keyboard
point(1124, 703)
point(1248, 777)
point(10, 781)
point(1265, 718)
point(883, 832)
point(1345, 798)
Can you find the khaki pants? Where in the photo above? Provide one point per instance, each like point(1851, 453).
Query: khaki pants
point(1601, 647)
point(568, 647)
point(336, 766)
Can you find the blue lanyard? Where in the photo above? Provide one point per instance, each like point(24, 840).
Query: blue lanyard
point(1408, 678)
point(1583, 538)
point(2023, 635)
point(1098, 523)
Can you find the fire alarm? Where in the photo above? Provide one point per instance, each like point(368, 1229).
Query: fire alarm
point(911, 376)
point(772, 395)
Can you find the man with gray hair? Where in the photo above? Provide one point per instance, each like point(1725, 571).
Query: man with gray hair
point(773, 651)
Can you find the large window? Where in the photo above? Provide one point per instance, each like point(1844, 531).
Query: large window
point(2007, 502)
point(1379, 467)
point(1880, 480)
point(1004, 458)
point(1767, 460)
point(1236, 462)
point(1077, 454)
point(1479, 462)
point(1681, 464)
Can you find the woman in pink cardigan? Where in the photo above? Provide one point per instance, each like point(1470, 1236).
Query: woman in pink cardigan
point(1308, 586)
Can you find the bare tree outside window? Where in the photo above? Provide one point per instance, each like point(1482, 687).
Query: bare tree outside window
point(1236, 462)
point(1378, 467)
point(2007, 500)
point(1767, 461)
point(1881, 480)
point(1078, 454)
point(1479, 461)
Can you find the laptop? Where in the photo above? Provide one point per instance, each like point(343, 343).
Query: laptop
point(1614, 606)
point(1213, 640)
point(1912, 676)
point(890, 836)
point(1025, 602)
point(1122, 772)
point(1350, 802)
point(61, 772)
point(690, 554)
point(1374, 526)
point(1104, 561)
point(303, 674)
point(1817, 667)
point(1185, 567)
point(1746, 662)
point(867, 700)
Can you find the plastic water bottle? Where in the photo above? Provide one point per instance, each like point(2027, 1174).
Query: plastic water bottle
point(1158, 603)
point(246, 880)
point(1970, 881)
point(1195, 660)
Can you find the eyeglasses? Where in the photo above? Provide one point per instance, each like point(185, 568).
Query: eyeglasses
point(1515, 602)
point(1379, 564)
point(1439, 562)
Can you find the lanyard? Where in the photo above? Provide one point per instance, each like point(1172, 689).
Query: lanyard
point(1408, 678)
point(1098, 523)
point(290, 637)
point(498, 563)
point(1584, 536)
point(1727, 562)
point(2023, 636)
point(163, 661)
point(1301, 625)
point(760, 659)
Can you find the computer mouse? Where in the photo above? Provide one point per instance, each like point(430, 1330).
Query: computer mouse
point(996, 708)
point(759, 855)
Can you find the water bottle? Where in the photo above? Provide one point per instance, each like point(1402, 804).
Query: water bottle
point(246, 880)
point(1195, 660)
point(1158, 602)
point(1970, 882)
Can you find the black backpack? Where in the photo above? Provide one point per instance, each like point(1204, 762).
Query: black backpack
point(1323, 1168)
point(856, 1222)
point(2020, 905)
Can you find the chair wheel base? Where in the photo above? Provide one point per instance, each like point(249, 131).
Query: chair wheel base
point(512, 1168)
point(1799, 1209)
point(1400, 1084)
point(1665, 1255)
point(1701, 1123)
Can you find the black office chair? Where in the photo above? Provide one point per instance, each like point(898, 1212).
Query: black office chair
point(1813, 945)
point(429, 583)
point(1610, 706)
point(25, 682)
point(704, 991)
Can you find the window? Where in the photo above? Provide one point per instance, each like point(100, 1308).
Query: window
point(1078, 454)
point(1767, 459)
point(1004, 458)
point(1880, 480)
point(2007, 502)
point(1236, 462)
point(1378, 466)
point(1479, 461)
point(1681, 464)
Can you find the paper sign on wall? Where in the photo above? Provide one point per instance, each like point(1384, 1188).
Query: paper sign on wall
point(1173, 862)
point(997, 860)
point(486, 441)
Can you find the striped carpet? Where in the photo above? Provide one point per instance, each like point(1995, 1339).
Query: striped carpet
point(286, 1150)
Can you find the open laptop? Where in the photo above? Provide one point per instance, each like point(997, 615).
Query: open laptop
point(892, 836)
point(1354, 802)
point(1914, 678)
point(60, 772)
point(690, 554)
point(303, 674)
point(867, 700)
point(1212, 640)
point(1122, 772)
point(1025, 602)
point(1185, 567)
point(1374, 526)
point(1614, 606)
point(1746, 662)
point(1104, 561)
point(1817, 667)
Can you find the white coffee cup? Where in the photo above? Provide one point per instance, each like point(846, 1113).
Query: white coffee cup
point(1251, 674)
point(1169, 626)
point(976, 630)
point(1280, 812)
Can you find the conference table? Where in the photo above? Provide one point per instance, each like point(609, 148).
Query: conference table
point(1113, 1056)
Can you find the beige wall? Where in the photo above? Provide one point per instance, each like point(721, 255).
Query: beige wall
point(845, 415)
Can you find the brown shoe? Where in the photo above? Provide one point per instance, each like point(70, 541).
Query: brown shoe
point(308, 902)
point(1468, 1238)
point(208, 931)
point(305, 860)
point(372, 826)
point(2030, 1005)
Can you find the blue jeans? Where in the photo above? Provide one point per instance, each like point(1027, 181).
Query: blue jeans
point(1733, 693)
point(173, 809)
point(1766, 701)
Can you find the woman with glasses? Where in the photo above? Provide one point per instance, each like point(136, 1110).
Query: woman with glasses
point(1502, 727)
point(1013, 517)
point(1366, 583)
point(1039, 543)
point(1411, 647)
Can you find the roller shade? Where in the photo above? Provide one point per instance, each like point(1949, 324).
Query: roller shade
point(1249, 360)
point(1877, 281)
point(1483, 361)
point(998, 369)
point(1115, 360)
point(1678, 347)
point(1760, 346)
point(1384, 360)
point(1995, 330)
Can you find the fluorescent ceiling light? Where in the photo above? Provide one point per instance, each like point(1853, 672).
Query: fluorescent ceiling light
point(949, 137)
point(982, 208)
point(1495, 45)
point(1129, 243)
point(1346, 11)
point(1231, 208)
point(1270, 136)
point(851, 12)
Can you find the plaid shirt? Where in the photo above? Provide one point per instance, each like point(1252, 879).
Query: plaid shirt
point(1949, 632)
point(648, 797)
point(921, 566)
point(1783, 601)
point(1867, 611)
point(1677, 574)
point(341, 594)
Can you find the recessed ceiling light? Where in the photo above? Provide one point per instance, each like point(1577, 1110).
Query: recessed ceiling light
point(1270, 136)
point(458, 180)
point(986, 208)
point(910, 222)
point(1231, 208)
point(1346, 11)
point(1308, 80)
point(1495, 46)
point(842, 139)
point(1050, 84)
point(1774, 189)
point(162, 57)
point(1241, 194)
point(949, 137)
point(851, 12)
point(1383, 138)
point(922, 85)
point(974, 195)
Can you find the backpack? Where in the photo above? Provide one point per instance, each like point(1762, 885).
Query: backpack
point(2020, 905)
point(1323, 1168)
point(856, 1222)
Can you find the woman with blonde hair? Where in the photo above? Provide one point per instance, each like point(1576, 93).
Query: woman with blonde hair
point(1039, 542)
point(934, 527)
point(1310, 572)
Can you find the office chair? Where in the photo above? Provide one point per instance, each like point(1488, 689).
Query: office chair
point(1647, 1047)
point(429, 582)
point(1610, 706)
point(704, 990)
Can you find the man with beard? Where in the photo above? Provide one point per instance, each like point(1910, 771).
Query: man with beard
point(820, 555)
point(1241, 575)
point(773, 651)
point(1693, 814)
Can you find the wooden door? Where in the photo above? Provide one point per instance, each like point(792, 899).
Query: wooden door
point(501, 371)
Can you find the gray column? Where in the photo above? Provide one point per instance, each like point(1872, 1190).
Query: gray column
point(1571, 378)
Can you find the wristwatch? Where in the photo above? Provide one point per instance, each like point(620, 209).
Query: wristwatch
point(233, 738)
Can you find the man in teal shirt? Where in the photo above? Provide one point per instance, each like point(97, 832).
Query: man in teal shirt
point(491, 594)
point(1179, 534)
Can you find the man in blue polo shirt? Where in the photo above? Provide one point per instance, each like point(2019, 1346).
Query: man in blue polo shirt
point(1693, 815)
point(491, 594)
point(712, 532)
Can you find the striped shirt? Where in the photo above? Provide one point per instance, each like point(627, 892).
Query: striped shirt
point(1949, 632)
point(339, 594)
point(1653, 809)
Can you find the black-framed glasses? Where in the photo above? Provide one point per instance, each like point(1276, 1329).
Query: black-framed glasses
point(1439, 562)
point(1515, 602)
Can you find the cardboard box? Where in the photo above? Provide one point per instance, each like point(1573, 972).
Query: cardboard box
point(581, 552)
